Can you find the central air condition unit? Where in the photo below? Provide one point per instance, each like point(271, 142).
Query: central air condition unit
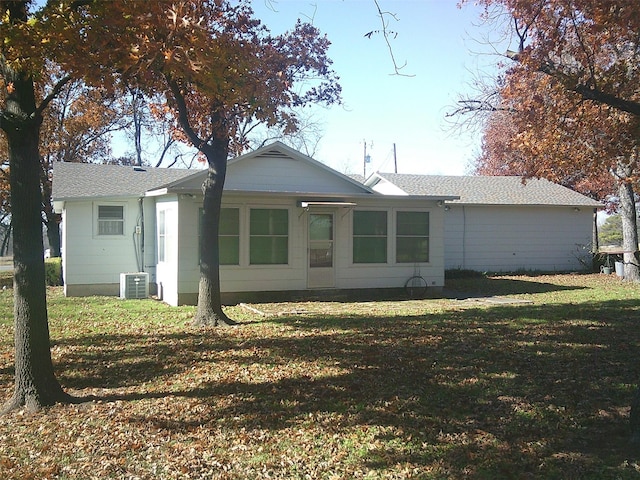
point(134, 285)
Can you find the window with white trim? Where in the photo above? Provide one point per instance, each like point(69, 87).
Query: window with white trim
point(228, 235)
point(162, 235)
point(412, 237)
point(110, 220)
point(268, 236)
point(369, 236)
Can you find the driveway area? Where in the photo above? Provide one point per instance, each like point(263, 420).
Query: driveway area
point(6, 264)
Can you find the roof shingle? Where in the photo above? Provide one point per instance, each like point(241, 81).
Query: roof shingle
point(82, 180)
point(485, 190)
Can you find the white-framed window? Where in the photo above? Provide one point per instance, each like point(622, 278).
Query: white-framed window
point(228, 235)
point(110, 220)
point(268, 236)
point(162, 236)
point(412, 237)
point(369, 236)
point(166, 234)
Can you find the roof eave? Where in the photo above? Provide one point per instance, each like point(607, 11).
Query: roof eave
point(561, 205)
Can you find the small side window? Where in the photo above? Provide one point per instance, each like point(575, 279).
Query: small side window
point(110, 220)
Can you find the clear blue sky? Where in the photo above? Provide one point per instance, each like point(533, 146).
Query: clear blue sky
point(435, 39)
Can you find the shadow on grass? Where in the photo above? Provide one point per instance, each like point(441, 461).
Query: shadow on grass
point(503, 392)
point(488, 286)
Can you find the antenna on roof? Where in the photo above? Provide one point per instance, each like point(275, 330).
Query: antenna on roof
point(395, 159)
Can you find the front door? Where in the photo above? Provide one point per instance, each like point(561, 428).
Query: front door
point(321, 244)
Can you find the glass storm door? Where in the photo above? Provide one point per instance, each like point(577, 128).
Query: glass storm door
point(321, 244)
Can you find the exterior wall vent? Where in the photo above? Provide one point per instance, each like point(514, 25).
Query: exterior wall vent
point(134, 285)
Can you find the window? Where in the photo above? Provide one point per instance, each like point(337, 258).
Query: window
point(369, 237)
point(110, 220)
point(167, 240)
point(229, 236)
point(412, 237)
point(268, 236)
point(162, 236)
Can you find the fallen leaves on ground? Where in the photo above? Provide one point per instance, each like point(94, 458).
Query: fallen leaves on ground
point(390, 389)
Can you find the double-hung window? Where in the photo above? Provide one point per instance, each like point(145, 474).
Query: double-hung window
point(268, 236)
point(110, 220)
point(369, 236)
point(412, 237)
point(229, 236)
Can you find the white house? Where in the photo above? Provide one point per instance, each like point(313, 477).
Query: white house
point(502, 224)
point(289, 224)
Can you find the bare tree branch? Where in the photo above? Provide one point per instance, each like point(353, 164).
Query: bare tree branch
point(387, 35)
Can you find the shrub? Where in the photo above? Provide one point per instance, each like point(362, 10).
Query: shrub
point(53, 271)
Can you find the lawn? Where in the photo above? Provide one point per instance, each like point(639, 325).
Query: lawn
point(536, 385)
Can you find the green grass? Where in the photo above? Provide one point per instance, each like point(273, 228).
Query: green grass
point(425, 389)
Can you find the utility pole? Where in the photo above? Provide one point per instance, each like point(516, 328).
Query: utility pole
point(366, 159)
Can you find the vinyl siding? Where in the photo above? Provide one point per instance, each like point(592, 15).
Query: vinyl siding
point(506, 239)
point(284, 174)
point(98, 259)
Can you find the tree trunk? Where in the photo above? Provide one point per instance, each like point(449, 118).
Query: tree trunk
point(52, 219)
point(35, 381)
point(209, 303)
point(53, 234)
point(631, 273)
point(629, 229)
point(6, 238)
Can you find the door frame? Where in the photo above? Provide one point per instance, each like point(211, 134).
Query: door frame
point(321, 276)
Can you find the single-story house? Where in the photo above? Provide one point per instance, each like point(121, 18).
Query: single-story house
point(288, 224)
point(505, 224)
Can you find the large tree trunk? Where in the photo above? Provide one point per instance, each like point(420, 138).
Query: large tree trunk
point(631, 271)
point(629, 225)
point(35, 381)
point(209, 303)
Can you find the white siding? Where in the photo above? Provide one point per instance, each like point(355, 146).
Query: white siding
point(284, 174)
point(495, 238)
point(188, 274)
point(96, 260)
point(167, 270)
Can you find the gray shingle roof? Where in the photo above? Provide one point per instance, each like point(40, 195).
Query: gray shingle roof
point(82, 180)
point(485, 190)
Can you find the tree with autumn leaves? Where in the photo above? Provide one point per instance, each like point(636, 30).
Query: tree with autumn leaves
point(214, 64)
point(76, 127)
point(568, 107)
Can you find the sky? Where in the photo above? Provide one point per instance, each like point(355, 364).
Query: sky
point(437, 41)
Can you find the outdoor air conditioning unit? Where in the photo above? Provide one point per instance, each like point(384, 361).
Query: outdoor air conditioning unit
point(134, 285)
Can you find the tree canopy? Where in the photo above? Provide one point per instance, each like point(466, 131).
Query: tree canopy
point(212, 63)
point(569, 98)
